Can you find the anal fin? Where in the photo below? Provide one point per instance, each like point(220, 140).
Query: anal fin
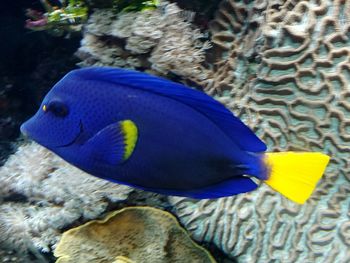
point(233, 186)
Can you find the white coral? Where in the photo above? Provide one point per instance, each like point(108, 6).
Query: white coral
point(162, 41)
point(14, 228)
point(181, 49)
point(100, 22)
point(57, 195)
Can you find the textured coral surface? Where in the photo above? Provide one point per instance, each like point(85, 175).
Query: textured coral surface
point(283, 67)
point(162, 40)
point(41, 194)
point(134, 234)
point(291, 85)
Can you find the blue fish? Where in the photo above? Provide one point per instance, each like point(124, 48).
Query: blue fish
point(150, 133)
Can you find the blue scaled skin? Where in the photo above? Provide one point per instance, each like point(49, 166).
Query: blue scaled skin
point(147, 132)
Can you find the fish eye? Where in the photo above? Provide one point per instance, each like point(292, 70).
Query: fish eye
point(57, 108)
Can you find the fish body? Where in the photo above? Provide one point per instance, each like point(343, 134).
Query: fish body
point(147, 132)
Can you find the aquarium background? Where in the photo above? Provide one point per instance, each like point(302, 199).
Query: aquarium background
point(281, 66)
point(30, 63)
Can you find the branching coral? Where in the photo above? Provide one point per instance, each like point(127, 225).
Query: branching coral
point(15, 232)
point(181, 48)
point(161, 40)
point(11, 256)
point(51, 195)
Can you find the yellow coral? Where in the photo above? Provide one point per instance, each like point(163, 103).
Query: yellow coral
point(121, 259)
point(133, 234)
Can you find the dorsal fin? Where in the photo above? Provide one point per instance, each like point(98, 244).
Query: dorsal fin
point(233, 127)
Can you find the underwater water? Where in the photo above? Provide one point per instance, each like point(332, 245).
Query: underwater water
point(119, 166)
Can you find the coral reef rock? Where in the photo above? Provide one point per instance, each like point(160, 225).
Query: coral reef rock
point(134, 234)
point(162, 40)
point(284, 68)
point(41, 194)
point(10, 256)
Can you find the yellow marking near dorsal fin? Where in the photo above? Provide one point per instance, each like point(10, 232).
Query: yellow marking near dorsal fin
point(295, 174)
point(130, 133)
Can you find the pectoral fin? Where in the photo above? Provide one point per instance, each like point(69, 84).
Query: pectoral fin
point(115, 143)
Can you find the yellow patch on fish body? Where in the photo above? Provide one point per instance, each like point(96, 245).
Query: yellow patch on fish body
point(130, 132)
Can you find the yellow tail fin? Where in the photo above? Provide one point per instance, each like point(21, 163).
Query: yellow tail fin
point(295, 174)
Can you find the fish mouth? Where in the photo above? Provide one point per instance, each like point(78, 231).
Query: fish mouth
point(24, 131)
point(76, 138)
point(33, 130)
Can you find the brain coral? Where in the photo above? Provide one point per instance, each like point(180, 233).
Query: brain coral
point(290, 83)
point(134, 234)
